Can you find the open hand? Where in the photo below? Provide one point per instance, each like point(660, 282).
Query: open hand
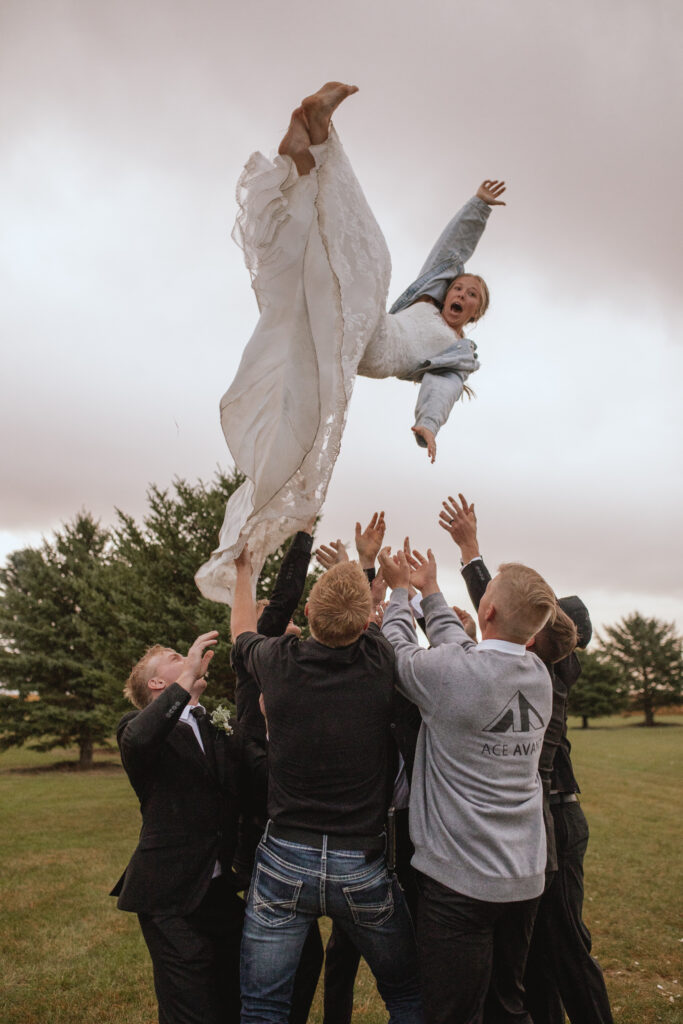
point(378, 589)
point(331, 554)
point(369, 541)
point(460, 521)
point(395, 568)
point(468, 622)
point(378, 613)
point(422, 571)
point(489, 191)
point(197, 663)
point(429, 440)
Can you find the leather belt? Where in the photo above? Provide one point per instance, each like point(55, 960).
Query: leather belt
point(365, 844)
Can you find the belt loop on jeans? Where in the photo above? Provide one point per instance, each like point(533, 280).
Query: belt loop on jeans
point(266, 829)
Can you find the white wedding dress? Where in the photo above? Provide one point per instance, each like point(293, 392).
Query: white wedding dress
point(320, 268)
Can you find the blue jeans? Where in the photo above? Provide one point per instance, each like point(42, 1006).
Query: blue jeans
point(294, 884)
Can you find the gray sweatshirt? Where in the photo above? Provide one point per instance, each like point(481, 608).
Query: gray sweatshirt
point(476, 811)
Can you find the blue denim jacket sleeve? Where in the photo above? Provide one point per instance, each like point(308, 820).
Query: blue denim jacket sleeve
point(453, 248)
point(437, 395)
point(441, 382)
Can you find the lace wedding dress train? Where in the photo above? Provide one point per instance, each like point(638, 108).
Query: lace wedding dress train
point(320, 268)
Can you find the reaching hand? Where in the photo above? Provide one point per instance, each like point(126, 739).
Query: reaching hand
point(243, 560)
point(428, 438)
point(489, 191)
point(378, 613)
point(197, 663)
point(468, 622)
point(378, 589)
point(331, 554)
point(395, 568)
point(461, 522)
point(422, 571)
point(369, 541)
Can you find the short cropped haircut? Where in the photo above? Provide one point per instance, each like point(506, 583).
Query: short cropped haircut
point(136, 689)
point(557, 639)
point(340, 605)
point(523, 600)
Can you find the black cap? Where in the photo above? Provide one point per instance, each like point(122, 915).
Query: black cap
point(578, 613)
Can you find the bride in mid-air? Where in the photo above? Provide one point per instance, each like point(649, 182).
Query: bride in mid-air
point(320, 268)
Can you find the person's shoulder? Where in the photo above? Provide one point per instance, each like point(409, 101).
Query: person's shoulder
point(374, 636)
point(124, 722)
point(125, 719)
point(248, 640)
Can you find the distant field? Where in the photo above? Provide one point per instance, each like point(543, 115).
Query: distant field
point(69, 957)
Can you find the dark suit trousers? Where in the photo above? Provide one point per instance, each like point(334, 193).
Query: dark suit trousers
point(472, 956)
point(196, 959)
point(561, 973)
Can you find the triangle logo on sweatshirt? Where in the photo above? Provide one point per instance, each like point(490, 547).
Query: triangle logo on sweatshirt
point(518, 715)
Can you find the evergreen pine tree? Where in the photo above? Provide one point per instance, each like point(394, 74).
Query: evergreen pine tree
point(50, 643)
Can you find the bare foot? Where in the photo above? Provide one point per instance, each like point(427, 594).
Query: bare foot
point(296, 143)
point(319, 107)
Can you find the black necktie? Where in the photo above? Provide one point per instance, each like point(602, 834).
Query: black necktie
point(199, 714)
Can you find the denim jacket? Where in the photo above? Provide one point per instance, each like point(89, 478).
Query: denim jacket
point(443, 377)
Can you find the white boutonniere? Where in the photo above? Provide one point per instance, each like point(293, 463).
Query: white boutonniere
point(221, 719)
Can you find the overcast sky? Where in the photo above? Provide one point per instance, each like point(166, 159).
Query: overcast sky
point(125, 306)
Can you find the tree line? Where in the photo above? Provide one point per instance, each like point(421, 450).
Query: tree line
point(77, 613)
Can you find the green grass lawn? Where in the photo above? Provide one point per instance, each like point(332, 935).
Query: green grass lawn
point(69, 957)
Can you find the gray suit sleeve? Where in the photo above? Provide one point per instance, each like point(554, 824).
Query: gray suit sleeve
point(442, 625)
point(420, 673)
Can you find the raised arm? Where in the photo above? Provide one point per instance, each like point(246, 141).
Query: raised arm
point(289, 585)
point(461, 235)
point(421, 675)
point(454, 246)
point(243, 614)
point(369, 541)
point(460, 521)
point(437, 395)
point(140, 737)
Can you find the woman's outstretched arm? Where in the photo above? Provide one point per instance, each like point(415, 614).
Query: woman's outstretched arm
point(437, 395)
point(454, 246)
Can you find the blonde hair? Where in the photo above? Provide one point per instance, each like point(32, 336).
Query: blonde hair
point(523, 601)
point(557, 639)
point(339, 605)
point(136, 689)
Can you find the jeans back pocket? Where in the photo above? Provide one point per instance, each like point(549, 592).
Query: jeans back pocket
point(274, 896)
point(371, 901)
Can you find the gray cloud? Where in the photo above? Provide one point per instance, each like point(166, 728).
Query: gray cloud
point(124, 130)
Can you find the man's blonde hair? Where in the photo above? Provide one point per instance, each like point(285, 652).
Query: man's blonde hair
point(523, 601)
point(340, 605)
point(136, 689)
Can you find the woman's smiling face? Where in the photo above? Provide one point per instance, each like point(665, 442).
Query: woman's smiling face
point(463, 302)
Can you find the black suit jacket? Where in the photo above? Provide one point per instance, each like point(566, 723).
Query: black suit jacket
point(190, 802)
